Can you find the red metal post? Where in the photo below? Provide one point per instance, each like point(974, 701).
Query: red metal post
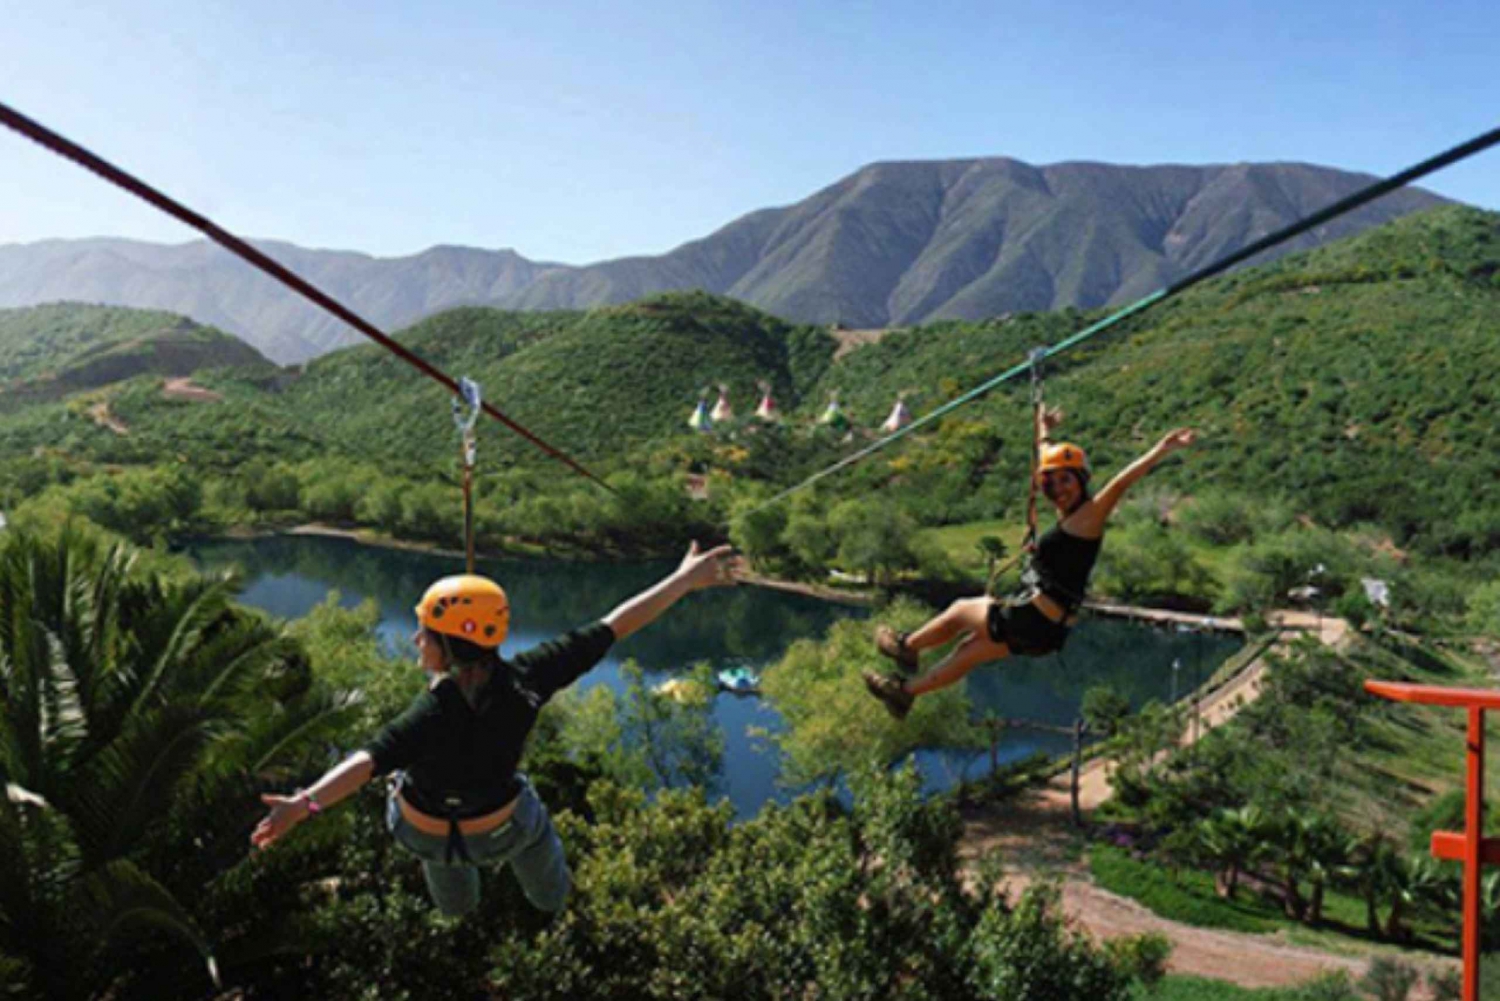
point(1473, 851)
point(1469, 845)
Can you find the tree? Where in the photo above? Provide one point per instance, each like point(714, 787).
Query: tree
point(874, 538)
point(677, 737)
point(1389, 979)
point(1233, 840)
point(1484, 609)
point(810, 899)
point(1373, 858)
point(992, 550)
point(757, 533)
point(1410, 882)
point(1307, 846)
point(1104, 709)
point(127, 699)
point(832, 724)
point(1328, 849)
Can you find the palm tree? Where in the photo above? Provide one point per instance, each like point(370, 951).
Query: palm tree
point(120, 690)
point(1381, 870)
point(1368, 864)
point(1325, 849)
point(1411, 882)
point(1234, 840)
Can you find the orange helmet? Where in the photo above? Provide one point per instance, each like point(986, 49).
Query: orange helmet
point(466, 607)
point(1063, 455)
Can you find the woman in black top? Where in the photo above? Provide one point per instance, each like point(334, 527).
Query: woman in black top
point(1035, 622)
point(459, 800)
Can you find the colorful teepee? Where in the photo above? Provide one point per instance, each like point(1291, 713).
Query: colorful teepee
point(833, 414)
point(767, 410)
point(899, 418)
point(722, 410)
point(701, 421)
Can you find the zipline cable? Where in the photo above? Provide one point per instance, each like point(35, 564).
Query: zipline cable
point(63, 147)
point(1367, 194)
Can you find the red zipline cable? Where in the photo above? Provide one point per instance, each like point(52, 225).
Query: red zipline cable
point(44, 136)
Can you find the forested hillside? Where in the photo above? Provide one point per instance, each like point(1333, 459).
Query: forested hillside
point(1356, 380)
point(47, 352)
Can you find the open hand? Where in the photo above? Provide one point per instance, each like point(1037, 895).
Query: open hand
point(714, 568)
point(1052, 418)
point(286, 813)
point(1176, 440)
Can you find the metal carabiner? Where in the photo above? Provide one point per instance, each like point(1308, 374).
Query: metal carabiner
point(465, 421)
point(468, 391)
point(1034, 358)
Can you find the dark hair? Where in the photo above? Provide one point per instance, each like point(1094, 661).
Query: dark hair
point(463, 654)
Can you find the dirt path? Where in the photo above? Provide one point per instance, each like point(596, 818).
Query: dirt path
point(851, 340)
point(1036, 838)
point(183, 389)
point(100, 415)
point(1034, 835)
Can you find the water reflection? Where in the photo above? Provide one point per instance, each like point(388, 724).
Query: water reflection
point(287, 576)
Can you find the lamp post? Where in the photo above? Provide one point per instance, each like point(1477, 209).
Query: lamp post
point(1314, 579)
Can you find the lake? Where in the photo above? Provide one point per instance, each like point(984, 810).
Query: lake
point(288, 575)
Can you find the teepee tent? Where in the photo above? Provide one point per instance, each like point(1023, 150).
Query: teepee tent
point(701, 421)
point(833, 414)
point(722, 410)
point(899, 418)
point(767, 410)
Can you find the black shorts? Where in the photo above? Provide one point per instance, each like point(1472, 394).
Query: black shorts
point(1024, 629)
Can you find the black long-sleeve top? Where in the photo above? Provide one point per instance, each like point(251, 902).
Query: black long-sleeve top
point(460, 761)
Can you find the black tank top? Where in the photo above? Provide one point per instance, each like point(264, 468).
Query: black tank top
point(1061, 566)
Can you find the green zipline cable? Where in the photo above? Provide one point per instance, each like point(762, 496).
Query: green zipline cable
point(1367, 194)
point(972, 394)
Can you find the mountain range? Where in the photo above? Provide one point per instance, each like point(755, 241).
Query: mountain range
point(892, 244)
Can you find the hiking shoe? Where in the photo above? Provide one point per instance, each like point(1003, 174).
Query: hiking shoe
point(890, 692)
point(893, 645)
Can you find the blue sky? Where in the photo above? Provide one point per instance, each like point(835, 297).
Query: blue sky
point(578, 131)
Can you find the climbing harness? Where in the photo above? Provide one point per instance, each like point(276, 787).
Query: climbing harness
point(465, 421)
point(56, 143)
point(1367, 194)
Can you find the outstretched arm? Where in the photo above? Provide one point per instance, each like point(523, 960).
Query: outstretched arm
point(339, 782)
point(1047, 418)
point(1115, 489)
point(697, 571)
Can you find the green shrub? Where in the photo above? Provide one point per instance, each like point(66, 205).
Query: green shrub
point(1483, 613)
point(1388, 979)
point(1141, 957)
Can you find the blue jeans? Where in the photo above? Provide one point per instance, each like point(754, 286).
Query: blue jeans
point(527, 841)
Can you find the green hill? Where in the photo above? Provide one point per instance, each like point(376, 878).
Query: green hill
point(48, 352)
point(1357, 379)
point(596, 383)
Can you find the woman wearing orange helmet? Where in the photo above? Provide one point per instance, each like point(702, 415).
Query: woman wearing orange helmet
point(459, 800)
point(1036, 621)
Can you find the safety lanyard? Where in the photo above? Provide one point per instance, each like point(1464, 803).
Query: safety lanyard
point(1038, 413)
point(1038, 407)
point(465, 416)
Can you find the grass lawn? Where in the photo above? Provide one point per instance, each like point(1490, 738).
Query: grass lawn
point(1184, 988)
point(1187, 895)
point(958, 541)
